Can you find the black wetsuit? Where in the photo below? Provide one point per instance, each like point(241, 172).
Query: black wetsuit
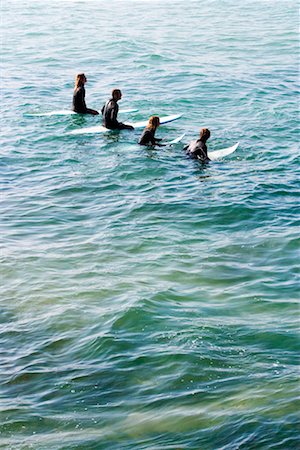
point(197, 150)
point(79, 105)
point(109, 116)
point(147, 137)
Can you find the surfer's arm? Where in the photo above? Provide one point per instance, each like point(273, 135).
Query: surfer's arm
point(158, 142)
point(202, 154)
point(114, 113)
point(84, 107)
point(82, 98)
point(204, 150)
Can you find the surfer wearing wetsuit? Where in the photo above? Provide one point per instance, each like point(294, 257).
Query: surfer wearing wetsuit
point(198, 149)
point(148, 135)
point(79, 105)
point(110, 112)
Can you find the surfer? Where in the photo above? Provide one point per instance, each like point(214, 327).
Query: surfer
point(198, 149)
point(110, 112)
point(148, 135)
point(79, 105)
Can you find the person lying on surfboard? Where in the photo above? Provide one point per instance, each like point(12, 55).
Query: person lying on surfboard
point(148, 135)
point(198, 149)
point(79, 105)
point(110, 112)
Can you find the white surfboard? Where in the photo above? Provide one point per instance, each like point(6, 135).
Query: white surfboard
point(141, 124)
point(218, 154)
point(62, 112)
point(68, 112)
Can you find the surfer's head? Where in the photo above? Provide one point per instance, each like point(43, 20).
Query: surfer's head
point(116, 94)
point(80, 80)
point(204, 134)
point(153, 123)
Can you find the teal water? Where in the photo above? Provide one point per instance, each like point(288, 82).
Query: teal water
point(148, 302)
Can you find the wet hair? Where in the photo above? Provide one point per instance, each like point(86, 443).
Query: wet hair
point(153, 123)
point(115, 92)
point(204, 133)
point(79, 80)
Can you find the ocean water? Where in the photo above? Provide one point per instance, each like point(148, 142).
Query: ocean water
point(148, 301)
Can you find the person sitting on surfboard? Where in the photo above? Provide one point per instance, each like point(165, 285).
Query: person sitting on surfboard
point(198, 149)
point(110, 112)
point(79, 105)
point(148, 135)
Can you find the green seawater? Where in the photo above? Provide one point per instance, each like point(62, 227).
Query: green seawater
point(148, 301)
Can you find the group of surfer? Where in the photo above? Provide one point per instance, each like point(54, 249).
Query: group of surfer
point(196, 149)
